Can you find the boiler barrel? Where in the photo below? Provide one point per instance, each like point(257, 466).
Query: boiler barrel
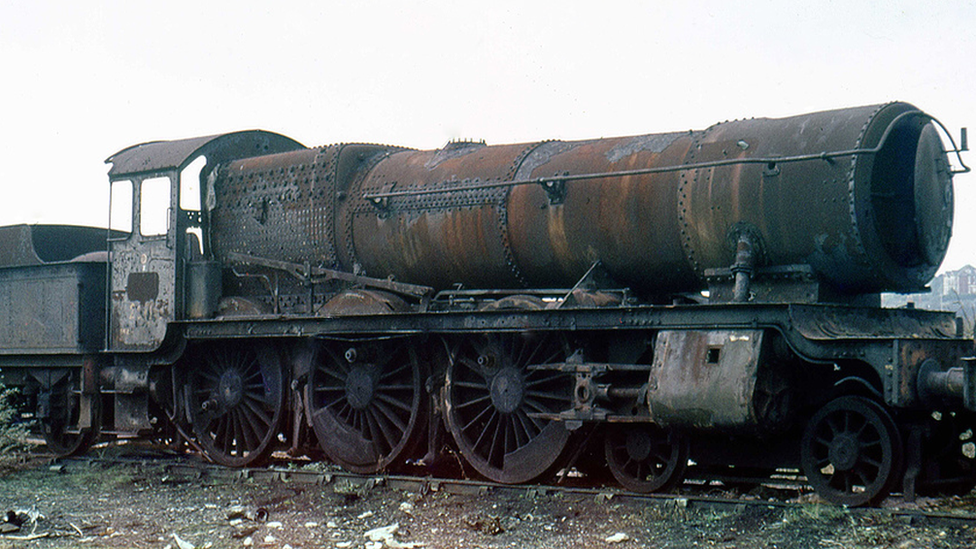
point(862, 196)
point(865, 222)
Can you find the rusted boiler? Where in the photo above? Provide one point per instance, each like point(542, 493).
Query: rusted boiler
point(861, 197)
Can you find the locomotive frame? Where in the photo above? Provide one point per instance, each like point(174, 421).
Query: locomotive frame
point(217, 328)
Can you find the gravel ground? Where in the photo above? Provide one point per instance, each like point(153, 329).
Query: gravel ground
point(150, 505)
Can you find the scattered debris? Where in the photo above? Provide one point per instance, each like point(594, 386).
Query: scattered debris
point(16, 519)
point(259, 514)
point(181, 543)
point(22, 516)
point(355, 490)
point(97, 509)
point(243, 531)
point(378, 537)
point(236, 512)
point(491, 526)
point(382, 533)
point(603, 497)
point(30, 537)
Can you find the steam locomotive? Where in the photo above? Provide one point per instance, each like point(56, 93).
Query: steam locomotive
point(693, 303)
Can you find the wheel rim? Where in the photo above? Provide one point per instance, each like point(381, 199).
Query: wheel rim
point(851, 451)
point(494, 386)
point(237, 401)
point(646, 457)
point(365, 403)
point(59, 438)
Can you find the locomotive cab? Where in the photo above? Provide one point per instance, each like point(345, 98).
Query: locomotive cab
point(159, 271)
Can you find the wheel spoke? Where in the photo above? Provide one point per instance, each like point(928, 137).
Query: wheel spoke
point(483, 410)
point(474, 402)
point(238, 430)
point(377, 434)
point(389, 414)
point(248, 429)
point(209, 375)
point(476, 419)
point(331, 372)
point(471, 385)
point(221, 433)
point(539, 424)
point(533, 405)
point(530, 426)
point(547, 396)
point(405, 406)
point(406, 367)
point(492, 419)
point(257, 413)
point(494, 439)
point(554, 377)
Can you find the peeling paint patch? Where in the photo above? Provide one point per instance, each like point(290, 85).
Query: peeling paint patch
point(654, 143)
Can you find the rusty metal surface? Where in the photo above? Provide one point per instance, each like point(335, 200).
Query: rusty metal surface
point(628, 223)
point(437, 240)
point(56, 308)
point(22, 245)
point(853, 217)
point(705, 379)
point(203, 288)
point(284, 206)
point(827, 323)
point(309, 275)
point(157, 156)
point(276, 206)
point(850, 220)
point(363, 302)
point(143, 293)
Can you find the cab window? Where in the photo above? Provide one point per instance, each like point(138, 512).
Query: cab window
point(154, 206)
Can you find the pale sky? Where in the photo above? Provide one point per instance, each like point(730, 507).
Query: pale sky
point(82, 80)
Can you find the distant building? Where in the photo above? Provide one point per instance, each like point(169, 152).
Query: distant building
point(950, 291)
point(961, 282)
